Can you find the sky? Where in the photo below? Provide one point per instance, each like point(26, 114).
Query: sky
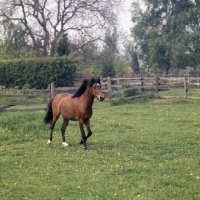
point(125, 18)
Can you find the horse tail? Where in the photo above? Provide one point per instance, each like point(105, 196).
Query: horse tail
point(49, 114)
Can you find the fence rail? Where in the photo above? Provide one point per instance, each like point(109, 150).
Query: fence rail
point(113, 88)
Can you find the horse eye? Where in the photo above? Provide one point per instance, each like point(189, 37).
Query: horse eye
point(94, 87)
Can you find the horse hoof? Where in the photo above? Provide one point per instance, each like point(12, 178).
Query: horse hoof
point(49, 142)
point(85, 149)
point(81, 141)
point(64, 144)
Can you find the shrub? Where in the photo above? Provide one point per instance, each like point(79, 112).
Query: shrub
point(38, 72)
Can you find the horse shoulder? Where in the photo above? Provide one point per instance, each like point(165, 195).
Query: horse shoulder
point(63, 100)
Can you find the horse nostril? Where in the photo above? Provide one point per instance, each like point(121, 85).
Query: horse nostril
point(102, 98)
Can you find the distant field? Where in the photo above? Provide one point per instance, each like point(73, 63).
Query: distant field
point(192, 92)
point(142, 149)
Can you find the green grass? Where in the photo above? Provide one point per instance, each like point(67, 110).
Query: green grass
point(143, 149)
point(193, 91)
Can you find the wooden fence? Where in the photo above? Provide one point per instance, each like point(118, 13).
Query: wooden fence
point(113, 88)
point(145, 86)
point(15, 97)
point(37, 99)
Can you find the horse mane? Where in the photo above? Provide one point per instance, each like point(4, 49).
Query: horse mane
point(86, 83)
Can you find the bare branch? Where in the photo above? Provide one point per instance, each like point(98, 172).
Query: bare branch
point(46, 20)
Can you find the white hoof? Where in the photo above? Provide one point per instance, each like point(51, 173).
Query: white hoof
point(65, 144)
point(49, 142)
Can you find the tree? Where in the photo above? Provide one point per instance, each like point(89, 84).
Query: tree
point(14, 45)
point(193, 35)
point(6, 50)
point(107, 64)
point(62, 47)
point(109, 54)
point(45, 21)
point(131, 51)
point(163, 32)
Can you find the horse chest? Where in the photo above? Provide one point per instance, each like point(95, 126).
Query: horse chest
point(85, 115)
point(82, 112)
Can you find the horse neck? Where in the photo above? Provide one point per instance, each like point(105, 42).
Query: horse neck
point(88, 96)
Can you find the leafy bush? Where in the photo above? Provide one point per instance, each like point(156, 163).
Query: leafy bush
point(132, 92)
point(38, 72)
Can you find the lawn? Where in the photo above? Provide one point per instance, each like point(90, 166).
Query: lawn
point(141, 149)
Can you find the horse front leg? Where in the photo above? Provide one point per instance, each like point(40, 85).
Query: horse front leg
point(87, 124)
point(63, 128)
point(84, 138)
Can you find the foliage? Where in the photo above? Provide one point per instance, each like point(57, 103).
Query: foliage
point(108, 54)
point(14, 44)
point(106, 61)
point(37, 73)
point(62, 47)
point(166, 33)
point(9, 52)
point(6, 50)
point(105, 67)
point(107, 64)
point(121, 68)
point(95, 70)
point(143, 151)
point(131, 51)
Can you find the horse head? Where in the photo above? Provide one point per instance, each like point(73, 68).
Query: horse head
point(96, 89)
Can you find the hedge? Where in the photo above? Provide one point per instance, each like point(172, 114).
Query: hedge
point(38, 72)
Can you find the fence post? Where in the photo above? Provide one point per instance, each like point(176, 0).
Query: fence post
point(109, 90)
point(142, 83)
point(169, 83)
point(119, 83)
point(49, 94)
point(52, 90)
point(185, 86)
point(157, 86)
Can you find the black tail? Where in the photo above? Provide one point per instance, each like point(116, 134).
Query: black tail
point(49, 115)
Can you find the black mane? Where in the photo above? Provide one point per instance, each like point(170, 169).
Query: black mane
point(86, 83)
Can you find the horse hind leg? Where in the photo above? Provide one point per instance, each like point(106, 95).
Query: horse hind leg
point(63, 128)
point(55, 118)
point(51, 133)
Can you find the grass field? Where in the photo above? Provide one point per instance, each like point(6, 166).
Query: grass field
point(144, 149)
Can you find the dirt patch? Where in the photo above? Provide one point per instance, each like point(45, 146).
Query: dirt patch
point(172, 99)
point(167, 99)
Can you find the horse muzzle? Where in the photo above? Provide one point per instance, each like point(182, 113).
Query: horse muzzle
point(100, 98)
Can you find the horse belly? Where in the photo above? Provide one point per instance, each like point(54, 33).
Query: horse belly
point(68, 112)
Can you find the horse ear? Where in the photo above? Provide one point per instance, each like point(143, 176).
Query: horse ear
point(85, 82)
point(98, 80)
point(91, 79)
